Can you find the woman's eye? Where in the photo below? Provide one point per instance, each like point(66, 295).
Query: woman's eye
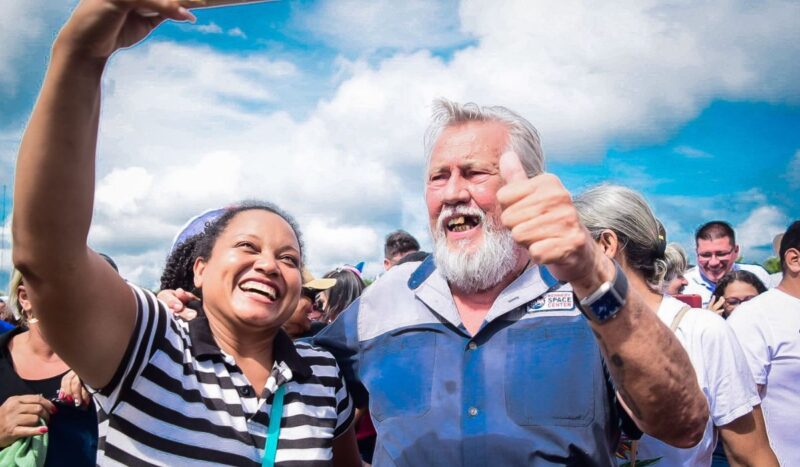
point(291, 260)
point(246, 245)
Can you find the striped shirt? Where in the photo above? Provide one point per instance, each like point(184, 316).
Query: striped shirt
point(178, 399)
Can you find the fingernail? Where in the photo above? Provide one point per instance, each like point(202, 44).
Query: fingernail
point(69, 398)
point(186, 14)
point(77, 402)
point(54, 410)
point(42, 429)
point(60, 394)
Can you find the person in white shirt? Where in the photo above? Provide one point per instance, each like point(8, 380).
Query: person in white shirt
point(623, 224)
point(768, 327)
point(717, 251)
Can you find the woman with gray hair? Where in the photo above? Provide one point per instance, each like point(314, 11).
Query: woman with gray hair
point(677, 263)
point(623, 224)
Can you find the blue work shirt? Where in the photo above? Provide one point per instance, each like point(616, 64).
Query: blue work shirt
point(529, 388)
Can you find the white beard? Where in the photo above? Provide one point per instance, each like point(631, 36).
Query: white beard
point(482, 268)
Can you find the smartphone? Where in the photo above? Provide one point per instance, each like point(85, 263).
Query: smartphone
point(213, 3)
point(204, 4)
point(693, 300)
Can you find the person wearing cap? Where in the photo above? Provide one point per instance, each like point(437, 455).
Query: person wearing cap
point(305, 322)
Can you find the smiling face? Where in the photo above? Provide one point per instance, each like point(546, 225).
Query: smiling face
point(736, 293)
point(462, 182)
point(252, 280)
point(716, 257)
point(472, 249)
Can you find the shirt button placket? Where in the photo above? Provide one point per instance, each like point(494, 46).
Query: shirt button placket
point(473, 421)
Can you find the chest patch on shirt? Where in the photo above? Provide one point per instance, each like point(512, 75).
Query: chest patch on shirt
point(552, 301)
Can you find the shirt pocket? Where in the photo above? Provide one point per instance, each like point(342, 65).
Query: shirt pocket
point(551, 375)
point(398, 373)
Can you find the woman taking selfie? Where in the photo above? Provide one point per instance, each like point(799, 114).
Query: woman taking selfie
point(228, 387)
point(624, 226)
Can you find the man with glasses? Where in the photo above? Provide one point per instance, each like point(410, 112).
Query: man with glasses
point(768, 327)
point(717, 252)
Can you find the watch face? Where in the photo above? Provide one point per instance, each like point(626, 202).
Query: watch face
point(606, 306)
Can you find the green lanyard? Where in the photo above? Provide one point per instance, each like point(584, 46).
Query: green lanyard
point(274, 429)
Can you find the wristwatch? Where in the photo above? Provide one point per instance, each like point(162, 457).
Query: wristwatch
point(604, 303)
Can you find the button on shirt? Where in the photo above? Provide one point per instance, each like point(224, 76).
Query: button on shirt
point(528, 389)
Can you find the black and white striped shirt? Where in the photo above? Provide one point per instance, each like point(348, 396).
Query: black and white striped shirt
point(178, 399)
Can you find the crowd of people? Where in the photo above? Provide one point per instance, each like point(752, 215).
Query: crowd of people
point(542, 328)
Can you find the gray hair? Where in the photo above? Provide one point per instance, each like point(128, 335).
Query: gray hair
point(523, 137)
point(677, 261)
point(627, 214)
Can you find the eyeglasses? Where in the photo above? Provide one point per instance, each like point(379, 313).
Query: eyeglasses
point(318, 305)
point(733, 301)
point(718, 254)
point(309, 293)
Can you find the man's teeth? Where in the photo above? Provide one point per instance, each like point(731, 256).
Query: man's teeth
point(459, 224)
point(258, 287)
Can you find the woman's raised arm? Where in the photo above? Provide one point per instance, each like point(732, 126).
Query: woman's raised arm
point(86, 310)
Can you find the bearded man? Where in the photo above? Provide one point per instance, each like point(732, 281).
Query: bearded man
point(481, 355)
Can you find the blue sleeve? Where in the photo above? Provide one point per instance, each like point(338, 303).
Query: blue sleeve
point(340, 338)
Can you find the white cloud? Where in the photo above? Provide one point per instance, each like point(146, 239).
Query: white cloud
point(759, 229)
point(27, 27)
point(331, 244)
point(405, 25)
point(187, 128)
point(584, 74)
point(692, 153)
point(237, 32)
point(793, 171)
point(210, 28)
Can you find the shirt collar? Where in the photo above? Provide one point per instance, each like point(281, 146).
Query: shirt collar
point(205, 347)
point(432, 288)
point(707, 282)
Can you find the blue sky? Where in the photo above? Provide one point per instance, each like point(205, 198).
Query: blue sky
point(321, 107)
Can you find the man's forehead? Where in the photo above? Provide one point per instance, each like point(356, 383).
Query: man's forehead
point(471, 137)
point(714, 244)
